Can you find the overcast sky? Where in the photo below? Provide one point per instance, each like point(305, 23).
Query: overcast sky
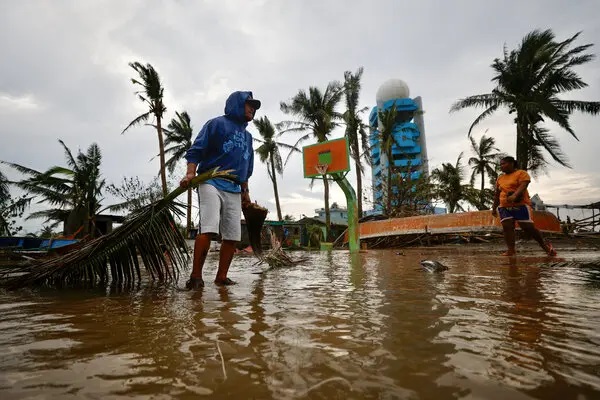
point(64, 74)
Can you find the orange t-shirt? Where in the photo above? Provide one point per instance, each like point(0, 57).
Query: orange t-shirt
point(509, 183)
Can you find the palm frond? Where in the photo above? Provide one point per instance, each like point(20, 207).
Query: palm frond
point(150, 234)
point(22, 169)
point(4, 192)
point(488, 112)
point(137, 121)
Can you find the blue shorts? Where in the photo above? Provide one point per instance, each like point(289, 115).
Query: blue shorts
point(519, 213)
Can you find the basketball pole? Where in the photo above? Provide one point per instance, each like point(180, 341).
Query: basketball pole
point(353, 237)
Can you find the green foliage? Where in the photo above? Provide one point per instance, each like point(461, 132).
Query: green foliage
point(179, 134)
point(74, 192)
point(134, 194)
point(315, 235)
point(12, 209)
point(449, 187)
point(529, 81)
point(46, 232)
point(485, 161)
point(178, 139)
point(316, 117)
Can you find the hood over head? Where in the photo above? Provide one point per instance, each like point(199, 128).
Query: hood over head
point(234, 106)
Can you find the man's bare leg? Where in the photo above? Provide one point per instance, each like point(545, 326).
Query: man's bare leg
point(201, 247)
point(508, 227)
point(225, 256)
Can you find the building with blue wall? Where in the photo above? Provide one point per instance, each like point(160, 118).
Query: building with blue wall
point(409, 150)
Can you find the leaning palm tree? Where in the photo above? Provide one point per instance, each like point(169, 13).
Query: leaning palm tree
point(74, 192)
point(269, 154)
point(151, 94)
point(356, 131)
point(486, 157)
point(448, 180)
point(529, 81)
point(316, 117)
point(179, 137)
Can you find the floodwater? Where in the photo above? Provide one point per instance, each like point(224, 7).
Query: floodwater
point(369, 326)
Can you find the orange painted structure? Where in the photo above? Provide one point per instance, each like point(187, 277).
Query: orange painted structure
point(474, 221)
point(334, 153)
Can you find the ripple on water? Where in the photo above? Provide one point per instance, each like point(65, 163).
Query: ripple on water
point(372, 325)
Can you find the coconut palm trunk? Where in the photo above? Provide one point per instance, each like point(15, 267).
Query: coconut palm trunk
point(522, 150)
point(482, 192)
point(275, 189)
point(161, 147)
point(388, 199)
point(357, 168)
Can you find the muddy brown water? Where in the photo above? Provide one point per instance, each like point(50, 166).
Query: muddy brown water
point(369, 326)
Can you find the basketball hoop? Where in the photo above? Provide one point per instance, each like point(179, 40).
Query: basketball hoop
point(321, 168)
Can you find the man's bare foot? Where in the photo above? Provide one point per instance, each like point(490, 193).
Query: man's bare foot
point(550, 249)
point(508, 253)
point(225, 282)
point(194, 283)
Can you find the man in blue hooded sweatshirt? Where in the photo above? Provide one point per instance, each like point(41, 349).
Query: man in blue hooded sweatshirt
point(223, 142)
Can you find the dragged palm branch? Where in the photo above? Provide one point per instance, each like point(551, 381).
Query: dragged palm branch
point(149, 233)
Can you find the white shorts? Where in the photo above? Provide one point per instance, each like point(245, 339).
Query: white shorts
point(220, 212)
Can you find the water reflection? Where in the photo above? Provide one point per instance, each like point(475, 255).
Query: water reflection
point(368, 325)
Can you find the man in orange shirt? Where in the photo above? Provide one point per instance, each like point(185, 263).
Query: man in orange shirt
point(512, 197)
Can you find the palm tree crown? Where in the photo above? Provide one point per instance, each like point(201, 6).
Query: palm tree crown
point(316, 117)
point(529, 81)
point(152, 95)
point(449, 187)
point(178, 135)
point(486, 157)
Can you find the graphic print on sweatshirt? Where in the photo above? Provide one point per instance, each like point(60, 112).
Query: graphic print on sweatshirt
point(239, 141)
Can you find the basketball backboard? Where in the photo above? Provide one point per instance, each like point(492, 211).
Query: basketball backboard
point(326, 157)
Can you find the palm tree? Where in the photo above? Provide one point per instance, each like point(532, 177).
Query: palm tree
point(529, 80)
point(179, 136)
point(484, 162)
point(268, 152)
point(449, 187)
point(387, 120)
point(355, 129)
point(152, 95)
point(74, 191)
point(316, 117)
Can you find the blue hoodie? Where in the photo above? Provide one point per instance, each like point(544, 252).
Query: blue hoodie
point(224, 142)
